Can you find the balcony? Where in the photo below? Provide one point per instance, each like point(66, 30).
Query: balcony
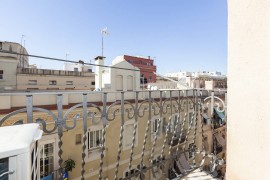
point(120, 135)
point(34, 71)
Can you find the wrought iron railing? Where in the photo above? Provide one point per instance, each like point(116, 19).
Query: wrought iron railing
point(175, 141)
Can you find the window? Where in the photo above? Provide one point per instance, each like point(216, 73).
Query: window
point(46, 159)
point(32, 82)
point(76, 69)
point(52, 82)
point(173, 123)
point(155, 131)
point(94, 139)
point(155, 125)
point(1, 74)
point(191, 149)
point(190, 118)
point(1, 44)
point(69, 82)
point(93, 83)
point(150, 78)
point(89, 70)
point(78, 139)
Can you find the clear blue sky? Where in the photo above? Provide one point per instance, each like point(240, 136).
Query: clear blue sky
point(187, 35)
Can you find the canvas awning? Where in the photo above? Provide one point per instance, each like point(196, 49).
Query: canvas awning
point(220, 139)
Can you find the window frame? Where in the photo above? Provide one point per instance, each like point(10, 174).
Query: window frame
point(1, 74)
point(49, 139)
point(154, 124)
point(32, 82)
point(96, 142)
point(51, 82)
point(69, 83)
point(93, 154)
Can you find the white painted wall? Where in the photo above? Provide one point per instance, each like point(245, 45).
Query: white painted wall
point(249, 86)
point(126, 74)
point(80, 67)
point(113, 79)
point(98, 74)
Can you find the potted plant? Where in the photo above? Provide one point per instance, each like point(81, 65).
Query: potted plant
point(68, 166)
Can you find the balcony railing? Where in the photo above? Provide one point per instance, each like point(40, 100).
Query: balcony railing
point(34, 71)
point(123, 123)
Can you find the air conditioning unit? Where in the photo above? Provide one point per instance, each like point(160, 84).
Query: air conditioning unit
point(19, 151)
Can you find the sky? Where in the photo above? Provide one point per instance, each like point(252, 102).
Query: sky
point(180, 35)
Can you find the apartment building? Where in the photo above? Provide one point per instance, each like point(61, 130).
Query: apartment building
point(129, 124)
point(17, 74)
point(48, 79)
point(185, 79)
point(146, 66)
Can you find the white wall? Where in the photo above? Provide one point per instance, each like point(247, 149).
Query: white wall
point(79, 66)
point(125, 74)
point(248, 149)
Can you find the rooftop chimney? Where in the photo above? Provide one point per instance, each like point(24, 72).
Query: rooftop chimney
point(99, 60)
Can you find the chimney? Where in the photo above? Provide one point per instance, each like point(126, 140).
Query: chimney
point(99, 60)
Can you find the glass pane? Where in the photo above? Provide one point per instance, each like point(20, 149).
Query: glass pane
point(97, 138)
point(50, 150)
point(46, 159)
point(50, 160)
point(156, 123)
point(91, 139)
point(4, 168)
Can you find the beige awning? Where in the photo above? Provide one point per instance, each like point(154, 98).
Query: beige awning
point(220, 139)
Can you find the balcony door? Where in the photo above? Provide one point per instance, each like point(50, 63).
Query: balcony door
point(47, 159)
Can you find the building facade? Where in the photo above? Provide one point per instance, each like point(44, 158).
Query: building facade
point(121, 76)
point(130, 129)
point(203, 79)
point(17, 74)
point(146, 66)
